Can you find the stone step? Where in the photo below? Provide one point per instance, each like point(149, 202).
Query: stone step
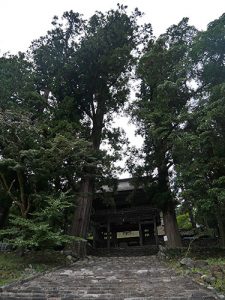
point(102, 297)
point(125, 251)
point(110, 278)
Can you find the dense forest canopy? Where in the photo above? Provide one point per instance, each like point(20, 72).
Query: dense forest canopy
point(57, 104)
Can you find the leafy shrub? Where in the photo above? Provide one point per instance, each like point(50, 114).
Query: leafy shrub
point(42, 229)
point(184, 222)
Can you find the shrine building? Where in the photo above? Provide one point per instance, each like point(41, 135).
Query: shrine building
point(126, 218)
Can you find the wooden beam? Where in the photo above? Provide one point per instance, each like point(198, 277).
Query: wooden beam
point(140, 234)
point(94, 237)
point(156, 232)
point(114, 238)
point(108, 234)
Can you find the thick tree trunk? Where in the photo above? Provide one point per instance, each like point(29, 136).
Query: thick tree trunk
point(220, 225)
point(171, 228)
point(4, 212)
point(169, 215)
point(82, 217)
point(83, 210)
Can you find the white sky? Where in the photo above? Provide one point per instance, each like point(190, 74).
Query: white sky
point(22, 21)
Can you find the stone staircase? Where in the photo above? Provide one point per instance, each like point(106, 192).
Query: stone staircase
point(108, 278)
point(124, 251)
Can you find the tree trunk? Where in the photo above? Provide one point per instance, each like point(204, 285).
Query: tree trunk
point(169, 215)
point(82, 217)
point(4, 212)
point(191, 216)
point(220, 225)
point(83, 210)
point(171, 228)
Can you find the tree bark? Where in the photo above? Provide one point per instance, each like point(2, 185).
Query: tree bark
point(82, 217)
point(191, 215)
point(82, 213)
point(169, 215)
point(171, 228)
point(4, 212)
point(220, 225)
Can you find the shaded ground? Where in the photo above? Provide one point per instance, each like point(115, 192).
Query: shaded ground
point(14, 267)
point(208, 267)
point(133, 278)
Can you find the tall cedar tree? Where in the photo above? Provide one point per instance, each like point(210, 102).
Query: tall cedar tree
point(200, 150)
point(15, 84)
point(164, 72)
point(84, 66)
point(39, 156)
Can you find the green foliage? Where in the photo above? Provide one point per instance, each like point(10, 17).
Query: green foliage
point(43, 228)
point(57, 104)
point(164, 70)
point(86, 64)
point(184, 222)
point(199, 155)
point(58, 101)
point(34, 162)
point(16, 80)
point(215, 260)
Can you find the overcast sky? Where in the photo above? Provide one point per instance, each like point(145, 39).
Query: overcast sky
point(22, 21)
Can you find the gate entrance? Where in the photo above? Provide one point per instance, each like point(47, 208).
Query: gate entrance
point(131, 221)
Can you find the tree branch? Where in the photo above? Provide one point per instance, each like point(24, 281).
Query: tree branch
point(4, 183)
point(22, 195)
point(11, 185)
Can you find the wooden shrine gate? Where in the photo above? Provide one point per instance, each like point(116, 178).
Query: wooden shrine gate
point(108, 223)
